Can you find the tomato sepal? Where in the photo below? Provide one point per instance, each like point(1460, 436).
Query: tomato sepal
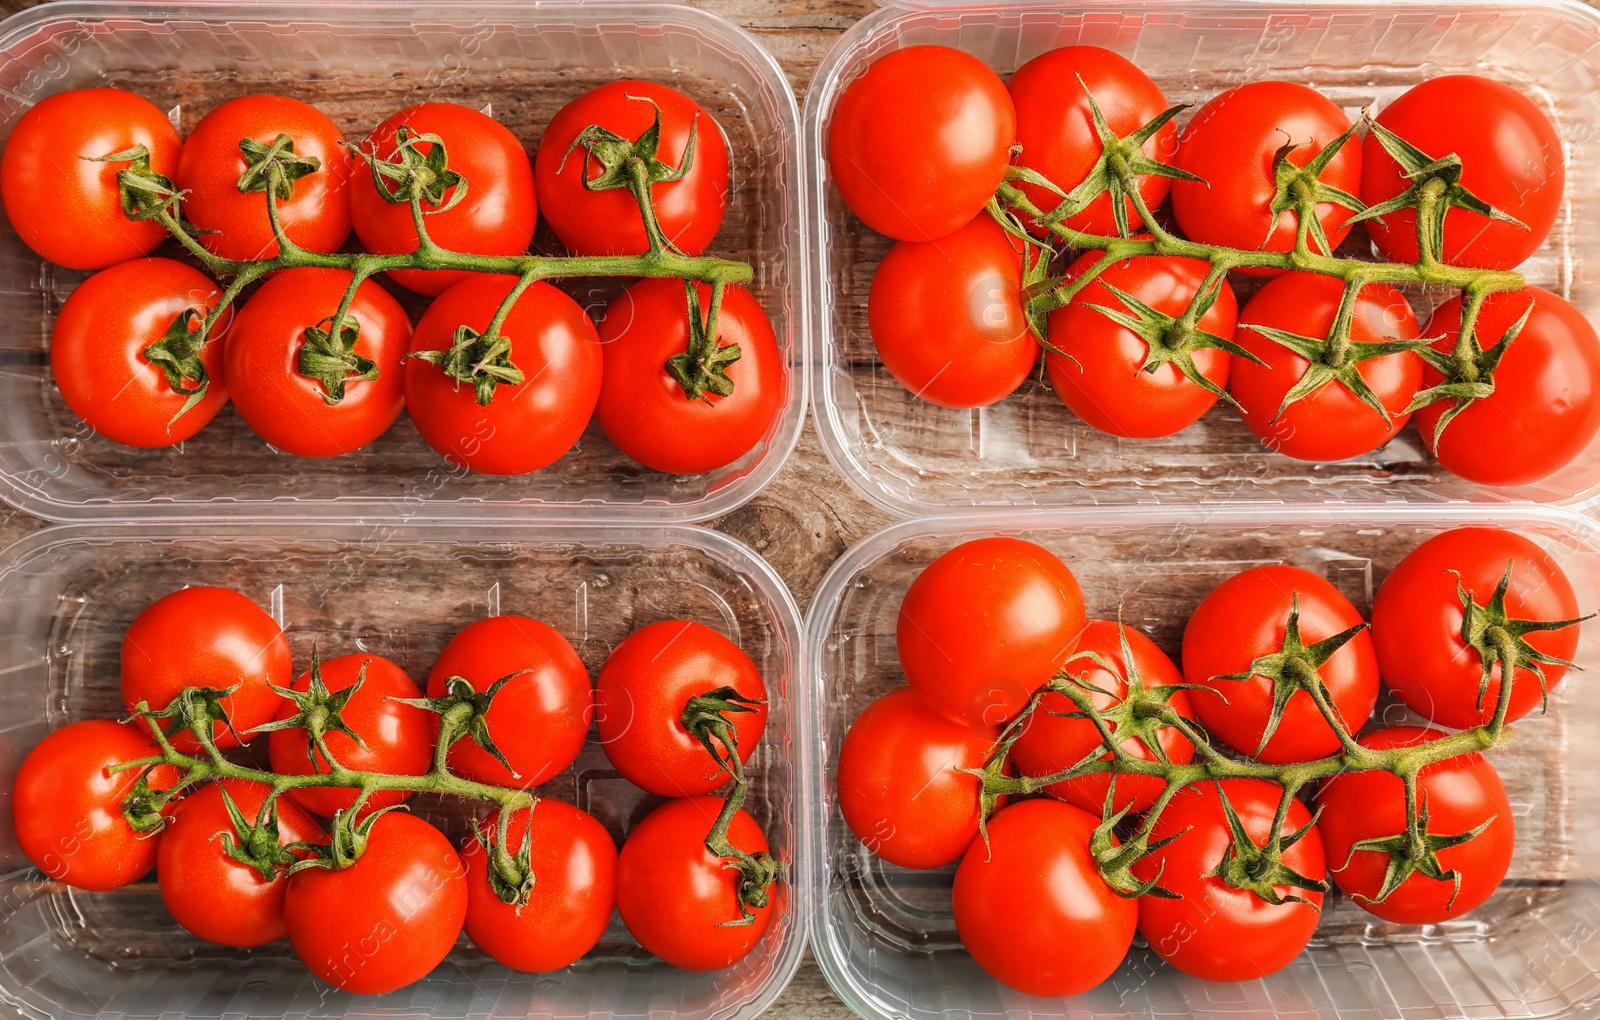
point(1336, 359)
point(143, 193)
point(1468, 370)
point(332, 362)
point(255, 843)
point(1260, 869)
point(1415, 852)
point(1498, 639)
point(1301, 189)
point(413, 176)
point(177, 354)
point(464, 714)
point(348, 835)
point(1115, 861)
point(703, 367)
point(319, 713)
point(481, 359)
point(510, 875)
point(274, 167)
point(1173, 340)
point(143, 807)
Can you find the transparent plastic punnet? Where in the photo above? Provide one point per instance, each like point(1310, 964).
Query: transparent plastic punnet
point(1028, 450)
point(360, 62)
point(884, 935)
point(68, 593)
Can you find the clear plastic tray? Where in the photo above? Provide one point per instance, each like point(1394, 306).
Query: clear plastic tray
point(359, 62)
point(885, 938)
point(67, 593)
point(1028, 450)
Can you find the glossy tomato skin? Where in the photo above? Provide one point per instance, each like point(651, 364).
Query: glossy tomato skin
point(496, 218)
point(526, 426)
point(1056, 128)
point(1102, 382)
point(1333, 423)
point(60, 201)
point(387, 920)
point(207, 637)
point(1416, 623)
point(209, 893)
point(290, 410)
point(608, 222)
point(1032, 908)
point(399, 738)
point(647, 414)
point(1511, 158)
point(985, 625)
point(1052, 742)
point(67, 811)
point(1545, 407)
point(574, 865)
point(1215, 931)
point(97, 351)
point(947, 317)
point(1244, 618)
point(675, 897)
point(920, 141)
point(642, 691)
point(316, 217)
point(1462, 793)
point(539, 719)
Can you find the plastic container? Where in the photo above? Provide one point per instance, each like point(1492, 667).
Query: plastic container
point(885, 938)
point(67, 593)
point(359, 62)
point(1028, 450)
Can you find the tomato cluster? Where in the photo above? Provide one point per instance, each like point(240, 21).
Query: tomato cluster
point(1092, 788)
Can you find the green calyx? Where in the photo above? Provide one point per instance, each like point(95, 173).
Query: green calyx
point(143, 193)
point(254, 842)
point(1499, 640)
point(329, 357)
point(193, 710)
point(143, 807)
point(348, 835)
point(464, 713)
point(412, 175)
point(276, 167)
point(1301, 189)
point(1468, 370)
point(510, 873)
point(1173, 340)
point(624, 162)
point(481, 360)
point(1115, 860)
point(177, 354)
point(1260, 869)
point(702, 368)
point(1415, 852)
point(319, 713)
point(705, 716)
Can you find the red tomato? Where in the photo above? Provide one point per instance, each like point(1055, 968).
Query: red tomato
point(206, 637)
point(316, 217)
point(1332, 423)
point(574, 868)
point(67, 811)
point(290, 409)
point(526, 425)
point(647, 413)
point(60, 199)
point(1545, 407)
point(1417, 623)
point(1032, 908)
point(947, 317)
point(1458, 794)
point(497, 216)
point(1103, 381)
point(97, 351)
point(676, 898)
point(538, 720)
point(1244, 619)
point(919, 142)
point(641, 694)
point(688, 209)
point(1510, 157)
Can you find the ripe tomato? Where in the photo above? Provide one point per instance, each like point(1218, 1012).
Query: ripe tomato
point(1053, 741)
point(1417, 625)
point(1055, 127)
point(1032, 908)
point(947, 317)
point(1104, 382)
point(210, 893)
point(1222, 929)
point(574, 869)
point(60, 199)
point(496, 217)
point(206, 637)
point(1243, 621)
point(67, 812)
point(1510, 158)
point(985, 625)
point(538, 720)
point(399, 738)
point(97, 351)
point(317, 215)
point(267, 351)
point(919, 142)
point(676, 898)
point(688, 209)
point(647, 413)
point(1545, 407)
point(1332, 423)
point(388, 919)
point(1232, 144)
point(526, 425)
point(1455, 797)
point(640, 697)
